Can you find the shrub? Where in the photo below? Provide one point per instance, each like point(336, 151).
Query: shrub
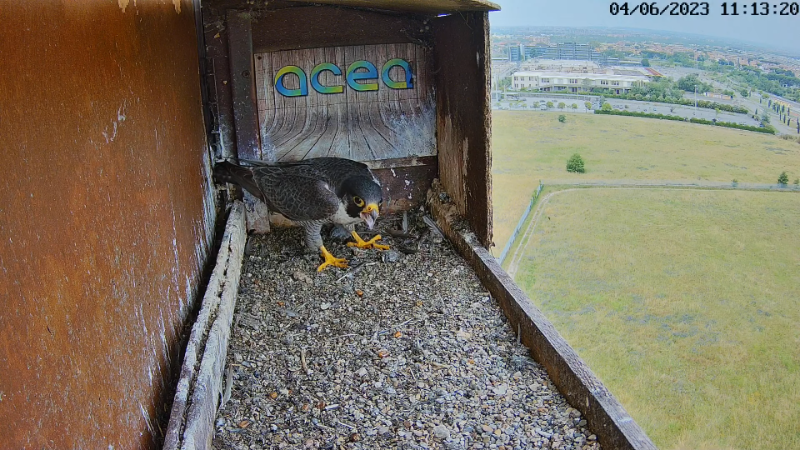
point(562, 118)
point(797, 182)
point(575, 164)
point(606, 107)
point(782, 179)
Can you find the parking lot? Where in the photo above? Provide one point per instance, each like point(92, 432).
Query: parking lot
point(539, 103)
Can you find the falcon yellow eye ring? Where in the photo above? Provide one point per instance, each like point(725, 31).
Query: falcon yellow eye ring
point(358, 201)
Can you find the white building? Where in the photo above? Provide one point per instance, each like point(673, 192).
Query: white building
point(548, 81)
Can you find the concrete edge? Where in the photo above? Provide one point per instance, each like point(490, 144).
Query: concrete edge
point(583, 390)
point(197, 394)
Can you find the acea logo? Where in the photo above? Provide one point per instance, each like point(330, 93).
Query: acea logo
point(357, 71)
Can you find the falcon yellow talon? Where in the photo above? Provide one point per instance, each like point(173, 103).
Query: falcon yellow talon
point(361, 243)
point(331, 260)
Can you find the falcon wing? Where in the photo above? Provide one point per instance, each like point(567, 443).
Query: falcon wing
point(297, 196)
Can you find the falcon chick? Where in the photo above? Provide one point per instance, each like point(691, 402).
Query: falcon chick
point(313, 192)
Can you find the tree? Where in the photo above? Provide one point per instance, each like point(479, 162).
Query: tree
point(575, 164)
point(562, 118)
point(645, 62)
point(606, 107)
point(688, 83)
point(783, 179)
point(561, 105)
point(549, 105)
point(574, 106)
point(588, 105)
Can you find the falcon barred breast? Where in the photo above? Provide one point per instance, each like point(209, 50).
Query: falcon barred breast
point(312, 193)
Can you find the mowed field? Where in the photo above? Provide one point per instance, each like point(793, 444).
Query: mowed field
point(685, 303)
point(532, 146)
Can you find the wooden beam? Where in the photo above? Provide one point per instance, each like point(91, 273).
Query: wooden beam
point(329, 26)
point(583, 390)
point(240, 42)
point(416, 6)
point(191, 423)
point(245, 108)
point(463, 116)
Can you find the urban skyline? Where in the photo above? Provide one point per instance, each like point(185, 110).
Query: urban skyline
point(775, 32)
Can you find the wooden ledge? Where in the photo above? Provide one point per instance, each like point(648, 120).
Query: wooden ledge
point(583, 390)
point(191, 422)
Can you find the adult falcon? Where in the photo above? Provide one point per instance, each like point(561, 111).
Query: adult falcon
point(312, 193)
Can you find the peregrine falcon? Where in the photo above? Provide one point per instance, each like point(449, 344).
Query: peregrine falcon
point(313, 192)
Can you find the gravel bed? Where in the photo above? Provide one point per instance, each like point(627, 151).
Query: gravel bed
point(403, 350)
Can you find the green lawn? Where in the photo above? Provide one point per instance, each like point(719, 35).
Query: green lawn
point(685, 303)
point(532, 146)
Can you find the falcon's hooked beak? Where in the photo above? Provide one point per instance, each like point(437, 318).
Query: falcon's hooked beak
point(369, 214)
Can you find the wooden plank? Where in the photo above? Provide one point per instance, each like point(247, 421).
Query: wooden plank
point(412, 161)
point(405, 186)
point(216, 41)
point(463, 116)
point(245, 107)
point(362, 125)
point(417, 6)
point(191, 423)
point(334, 27)
point(583, 390)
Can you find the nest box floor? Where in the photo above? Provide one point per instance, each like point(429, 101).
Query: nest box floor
point(405, 349)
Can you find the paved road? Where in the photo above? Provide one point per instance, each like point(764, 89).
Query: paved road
point(751, 103)
point(534, 104)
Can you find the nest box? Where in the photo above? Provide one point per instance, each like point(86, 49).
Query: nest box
point(401, 85)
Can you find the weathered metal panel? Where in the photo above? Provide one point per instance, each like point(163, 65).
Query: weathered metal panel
point(105, 217)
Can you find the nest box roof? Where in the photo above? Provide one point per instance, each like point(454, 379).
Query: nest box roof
point(414, 6)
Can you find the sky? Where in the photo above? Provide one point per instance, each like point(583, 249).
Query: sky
point(773, 31)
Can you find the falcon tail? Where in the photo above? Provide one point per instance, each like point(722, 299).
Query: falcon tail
point(227, 172)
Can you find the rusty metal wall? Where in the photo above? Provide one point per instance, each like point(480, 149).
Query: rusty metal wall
point(105, 217)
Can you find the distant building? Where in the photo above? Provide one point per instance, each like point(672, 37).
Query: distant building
point(516, 53)
point(530, 52)
point(566, 51)
point(546, 81)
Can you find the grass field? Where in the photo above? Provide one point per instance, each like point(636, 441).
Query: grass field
point(685, 303)
point(532, 146)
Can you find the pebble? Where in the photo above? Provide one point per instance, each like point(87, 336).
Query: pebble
point(422, 358)
point(441, 432)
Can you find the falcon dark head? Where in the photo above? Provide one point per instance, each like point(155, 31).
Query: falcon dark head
point(362, 198)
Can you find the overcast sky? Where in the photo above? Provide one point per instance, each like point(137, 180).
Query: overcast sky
point(773, 31)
